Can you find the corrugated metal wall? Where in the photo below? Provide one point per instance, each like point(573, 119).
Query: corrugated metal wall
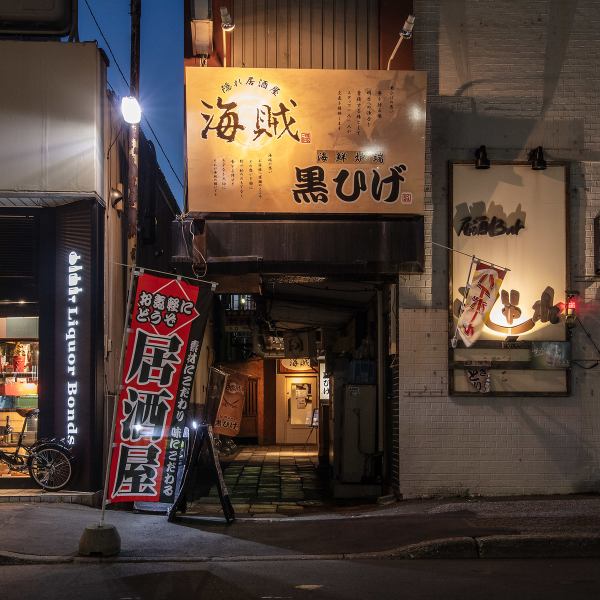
point(305, 34)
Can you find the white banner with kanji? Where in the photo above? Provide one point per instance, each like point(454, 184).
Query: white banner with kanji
point(482, 293)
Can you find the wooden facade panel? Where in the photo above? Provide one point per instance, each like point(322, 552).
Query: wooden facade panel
point(316, 35)
point(373, 35)
point(235, 41)
point(249, 41)
point(271, 27)
point(328, 33)
point(362, 35)
point(260, 34)
point(351, 29)
point(339, 35)
point(307, 34)
point(294, 33)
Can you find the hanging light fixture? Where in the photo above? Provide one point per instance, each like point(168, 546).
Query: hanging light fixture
point(481, 158)
point(536, 158)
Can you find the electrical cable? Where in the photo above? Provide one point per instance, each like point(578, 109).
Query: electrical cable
point(127, 84)
point(587, 333)
point(106, 42)
point(578, 361)
point(192, 255)
point(163, 151)
point(587, 368)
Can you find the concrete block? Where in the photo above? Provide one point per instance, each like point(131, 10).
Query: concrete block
point(100, 540)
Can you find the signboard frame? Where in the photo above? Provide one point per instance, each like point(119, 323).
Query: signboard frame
point(364, 131)
point(511, 356)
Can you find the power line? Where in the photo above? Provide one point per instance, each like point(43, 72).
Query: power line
point(163, 151)
point(127, 84)
point(106, 42)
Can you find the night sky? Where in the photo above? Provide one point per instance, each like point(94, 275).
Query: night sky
point(161, 70)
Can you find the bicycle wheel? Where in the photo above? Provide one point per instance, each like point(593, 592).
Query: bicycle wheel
point(50, 467)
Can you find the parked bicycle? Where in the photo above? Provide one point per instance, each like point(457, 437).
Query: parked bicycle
point(49, 461)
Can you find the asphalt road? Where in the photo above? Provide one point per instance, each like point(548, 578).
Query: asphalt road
point(570, 579)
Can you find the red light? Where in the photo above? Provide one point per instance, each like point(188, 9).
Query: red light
point(571, 304)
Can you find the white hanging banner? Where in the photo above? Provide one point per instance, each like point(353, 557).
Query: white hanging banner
point(482, 293)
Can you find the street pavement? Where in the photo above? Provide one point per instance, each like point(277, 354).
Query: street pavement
point(307, 580)
point(543, 527)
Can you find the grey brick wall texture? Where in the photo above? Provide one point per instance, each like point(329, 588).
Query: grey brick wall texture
point(511, 75)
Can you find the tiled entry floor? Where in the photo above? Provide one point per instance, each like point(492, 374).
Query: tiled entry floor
point(266, 479)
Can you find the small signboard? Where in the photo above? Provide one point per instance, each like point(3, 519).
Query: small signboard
point(229, 415)
point(295, 365)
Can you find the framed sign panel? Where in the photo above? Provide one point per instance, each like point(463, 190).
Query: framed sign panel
point(305, 141)
point(508, 280)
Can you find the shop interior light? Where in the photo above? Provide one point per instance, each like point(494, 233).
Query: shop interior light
point(131, 111)
point(536, 158)
point(481, 159)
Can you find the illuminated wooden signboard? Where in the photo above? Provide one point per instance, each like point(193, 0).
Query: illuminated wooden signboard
point(513, 220)
point(305, 141)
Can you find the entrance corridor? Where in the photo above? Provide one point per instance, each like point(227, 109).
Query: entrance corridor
point(265, 480)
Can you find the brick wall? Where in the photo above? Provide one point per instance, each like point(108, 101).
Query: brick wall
point(512, 76)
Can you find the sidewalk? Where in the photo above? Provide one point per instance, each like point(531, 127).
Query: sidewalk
point(552, 526)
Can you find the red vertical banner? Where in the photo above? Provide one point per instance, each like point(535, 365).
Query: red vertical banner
point(163, 343)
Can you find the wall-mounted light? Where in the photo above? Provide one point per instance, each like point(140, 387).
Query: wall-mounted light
point(536, 158)
point(226, 21)
point(405, 34)
point(481, 159)
point(116, 197)
point(227, 25)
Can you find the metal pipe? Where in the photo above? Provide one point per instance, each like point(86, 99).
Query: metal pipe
point(380, 373)
point(134, 273)
point(134, 135)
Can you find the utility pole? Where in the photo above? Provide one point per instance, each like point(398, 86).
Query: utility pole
point(134, 134)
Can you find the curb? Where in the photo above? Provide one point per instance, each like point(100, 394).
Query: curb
point(565, 545)
point(485, 547)
point(17, 558)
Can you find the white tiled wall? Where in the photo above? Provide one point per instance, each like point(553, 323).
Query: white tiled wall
point(510, 75)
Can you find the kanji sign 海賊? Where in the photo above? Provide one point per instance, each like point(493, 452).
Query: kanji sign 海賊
point(305, 140)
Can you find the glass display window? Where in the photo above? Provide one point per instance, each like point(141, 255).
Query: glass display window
point(19, 369)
